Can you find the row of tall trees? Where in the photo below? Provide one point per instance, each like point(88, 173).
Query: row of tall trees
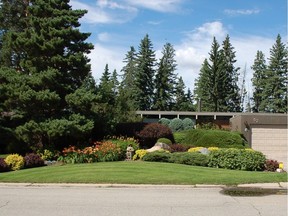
point(270, 80)
point(218, 87)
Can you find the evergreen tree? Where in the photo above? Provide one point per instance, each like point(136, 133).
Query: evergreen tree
point(145, 74)
point(183, 101)
point(165, 79)
point(258, 81)
point(232, 92)
point(126, 102)
point(275, 91)
point(46, 56)
point(210, 85)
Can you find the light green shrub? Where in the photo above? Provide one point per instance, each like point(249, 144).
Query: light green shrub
point(164, 140)
point(164, 121)
point(237, 159)
point(15, 161)
point(176, 125)
point(188, 124)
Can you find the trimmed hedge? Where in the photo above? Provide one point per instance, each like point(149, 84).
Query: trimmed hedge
point(215, 138)
point(237, 159)
point(190, 158)
point(157, 156)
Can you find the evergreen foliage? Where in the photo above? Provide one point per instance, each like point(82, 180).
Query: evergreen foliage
point(145, 73)
point(165, 80)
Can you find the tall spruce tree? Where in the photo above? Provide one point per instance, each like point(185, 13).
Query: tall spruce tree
point(232, 91)
point(46, 56)
point(165, 80)
point(145, 74)
point(275, 90)
point(258, 81)
point(182, 101)
point(210, 85)
point(126, 102)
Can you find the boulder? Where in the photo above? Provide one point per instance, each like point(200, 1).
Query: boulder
point(158, 146)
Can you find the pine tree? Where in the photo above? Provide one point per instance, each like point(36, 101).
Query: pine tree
point(232, 92)
point(46, 56)
point(258, 81)
point(126, 102)
point(165, 79)
point(145, 74)
point(210, 85)
point(275, 91)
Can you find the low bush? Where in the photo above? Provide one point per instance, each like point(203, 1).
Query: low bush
point(195, 149)
point(179, 148)
point(190, 158)
point(215, 138)
point(123, 143)
point(15, 161)
point(152, 132)
point(238, 159)
point(139, 154)
point(157, 156)
point(33, 160)
point(3, 165)
point(164, 140)
point(271, 165)
point(180, 136)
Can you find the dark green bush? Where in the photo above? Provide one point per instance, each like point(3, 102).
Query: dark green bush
point(176, 125)
point(157, 156)
point(214, 138)
point(152, 132)
point(190, 158)
point(237, 159)
point(164, 140)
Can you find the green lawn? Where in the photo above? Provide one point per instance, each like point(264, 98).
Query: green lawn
point(138, 173)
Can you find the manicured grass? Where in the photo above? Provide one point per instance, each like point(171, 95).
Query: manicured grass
point(130, 172)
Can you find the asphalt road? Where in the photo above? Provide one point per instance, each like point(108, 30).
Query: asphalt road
point(58, 200)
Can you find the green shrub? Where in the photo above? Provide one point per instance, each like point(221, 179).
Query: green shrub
point(152, 132)
point(139, 154)
point(237, 159)
point(164, 140)
point(215, 138)
point(157, 156)
point(123, 143)
point(164, 121)
point(15, 161)
point(176, 125)
point(190, 158)
point(188, 124)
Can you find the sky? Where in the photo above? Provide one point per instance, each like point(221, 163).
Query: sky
point(189, 25)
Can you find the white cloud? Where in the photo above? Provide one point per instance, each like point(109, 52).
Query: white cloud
point(157, 5)
point(103, 37)
point(101, 55)
point(241, 12)
point(105, 11)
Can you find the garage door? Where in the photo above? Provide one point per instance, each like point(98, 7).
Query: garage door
point(271, 141)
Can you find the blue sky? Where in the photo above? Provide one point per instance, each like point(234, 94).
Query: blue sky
point(189, 25)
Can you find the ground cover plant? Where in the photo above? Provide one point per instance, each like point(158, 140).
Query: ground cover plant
point(130, 172)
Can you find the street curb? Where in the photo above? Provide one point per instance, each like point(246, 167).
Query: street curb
point(281, 185)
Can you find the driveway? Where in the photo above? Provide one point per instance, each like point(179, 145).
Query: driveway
point(86, 200)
